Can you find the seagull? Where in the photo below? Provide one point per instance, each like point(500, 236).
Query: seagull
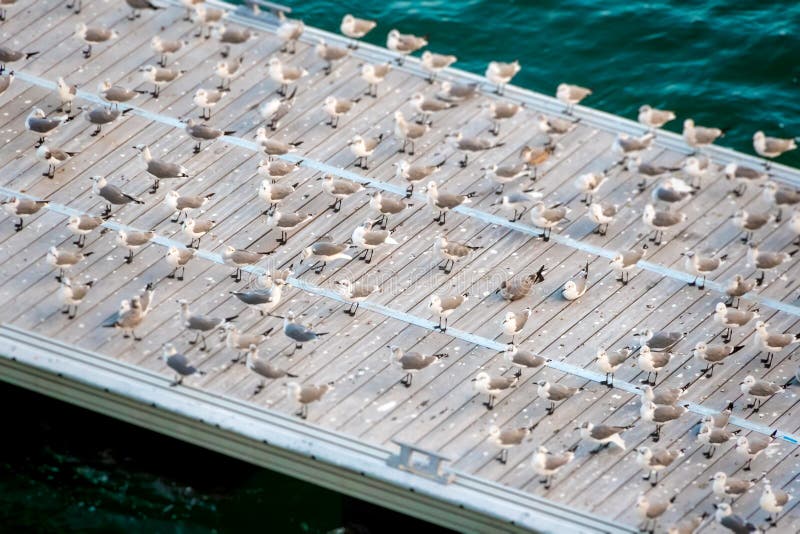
point(659, 221)
point(626, 261)
point(177, 258)
point(158, 76)
point(133, 241)
point(507, 438)
point(201, 132)
point(445, 306)
point(749, 222)
point(732, 318)
point(767, 260)
point(719, 420)
point(324, 251)
point(365, 237)
point(63, 259)
point(5, 81)
point(576, 288)
point(771, 147)
point(289, 31)
point(505, 174)
point(655, 118)
point(209, 18)
point(699, 137)
point(523, 358)
point(436, 63)
point(713, 355)
point(276, 109)
point(297, 332)
point(81, 225)
point(306, 394)
point(408, 132)
point(773, 501)
point(664, 396)
point(23, 207)
point(630, 147)
point(356, 28)
point(743, 176)
point(494, 385)
point(329, 54)
point(571, 95)
point(602, 214)
point(414, 174)
point(195, 229)
point(165, 48)
point(546, 464)
point(386, 206)
point(500, 111)
point(278, 168)
point(115, 94)
point(603, 435)
point(363, 148)
point(336, 107)
point(450, 252)
point(554, 392)
point(536, 156)
point(38, 123)
point(701, 266)
point(263, 368)
point(273, 147)
point(200, 323)
point(519, 202)
point(227, 71)
point(547, 218)
point(737, 287)
point(404, 44)
point(181, 204)
point(655, 461)
point(339, 189)
point(772, 342)
point(53, 157)
point(72, 294)
point(760, 390)
point(127, 318)
point(274, 193)
point(241, 258)
point(650, 509)
point(137, 6)
point(713, 437)
point(647, 170)
point(455, 92)
point(66, 93)
point(412, 362)
point(659, 341)
point(518, 288)
point(780, 196)
point(206, 100)
point(660, 415)
point(265, 299)
point(160, 169)
point(102, 115)
point(652, 362)
point(609, 363)
point(9, 55)
point(472, 144)
point(374, 75)
point(724, 516)
point(725, 486)
point(501, 74)
point(355, 293)
point(425, 107)
point(111, 194)
point(671, 191)
point(514, 322)
point(284, 74)
point(589, 184)
point(232, 36)
point(696, 167)
point(443, 202)
point(751, 448)
point(179, 363)
point(92, 35)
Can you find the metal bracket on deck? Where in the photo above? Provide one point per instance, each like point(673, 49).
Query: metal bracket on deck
point(431, 468)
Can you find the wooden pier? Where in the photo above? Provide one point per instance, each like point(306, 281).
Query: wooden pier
point(350, 440)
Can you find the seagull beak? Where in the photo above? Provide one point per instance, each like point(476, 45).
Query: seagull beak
point(473, 380)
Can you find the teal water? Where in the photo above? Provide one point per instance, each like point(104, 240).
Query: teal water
point(726, 63)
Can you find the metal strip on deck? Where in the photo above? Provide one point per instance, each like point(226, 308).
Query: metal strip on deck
point(277, 441)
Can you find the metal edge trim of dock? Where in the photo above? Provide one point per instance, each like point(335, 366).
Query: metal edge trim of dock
point(276, 441)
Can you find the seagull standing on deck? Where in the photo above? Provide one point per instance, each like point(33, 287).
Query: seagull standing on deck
point(355, 293)
point(442, 202)
point(92, 35)
point(297, 332)
point(652, 362)
point(404, 44)
point(450, 252)
point(408, 132)
point(576, 288)
point(53, 157)
point(472, 144)
point(494, 385)
point(81, 225)
point(179, 363)
point(306, 394)
point(655, 461)
point(514, 322)
point(443, 307)
point(64, 259)
point(771, 147)
point(760, 390)
point(501, 74)
point(589, 184)
point(772, 342)
point(182, 204)
point(655, 118)
point(609, 363)
point(330, 54)
point(554, 392)
point(72, 294)
point(435, 63)
point(571, 95)
point(367, 238)
point(201, 132)
point(200, 323)
point(547, 218)
point(264, 369)
point(772, 501)
point(750, 448)
point(38, 123)
point(713, 355)
point(699, 137)
point(765, 260)
point(289, 31)
point(626, 261)
point(160, 169)
point(284, 74)
point(165, 48)
point(659, 221)
point(602, 214)
point(158, 76)
point(241, 258)
point(413, 362)
point(508, 438)
point(603, 435)
point(374, 75)
point(546, 464)
point(356, 28)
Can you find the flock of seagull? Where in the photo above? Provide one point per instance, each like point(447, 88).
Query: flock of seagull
point(652, 351)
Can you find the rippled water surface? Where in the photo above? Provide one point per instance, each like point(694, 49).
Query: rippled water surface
point(731, 64)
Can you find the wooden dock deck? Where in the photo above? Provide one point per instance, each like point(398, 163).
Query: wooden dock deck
point(368, 409)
